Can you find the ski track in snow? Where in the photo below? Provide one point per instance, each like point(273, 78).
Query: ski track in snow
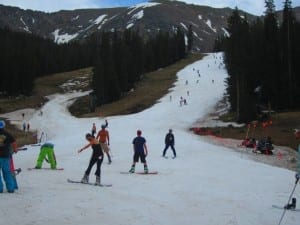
point(206, 184)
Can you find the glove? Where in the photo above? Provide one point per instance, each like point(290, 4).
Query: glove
point(297, 176)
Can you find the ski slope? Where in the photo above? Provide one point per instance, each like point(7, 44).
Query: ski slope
point(205, 184)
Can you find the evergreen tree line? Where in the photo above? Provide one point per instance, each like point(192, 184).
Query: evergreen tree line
point(261, 59)
point(24, 57)
point(119, 59)
point(122, 58)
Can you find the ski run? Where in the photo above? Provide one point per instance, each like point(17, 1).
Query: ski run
point(205, 184)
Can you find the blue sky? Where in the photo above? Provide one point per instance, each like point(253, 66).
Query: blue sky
point(252, 6)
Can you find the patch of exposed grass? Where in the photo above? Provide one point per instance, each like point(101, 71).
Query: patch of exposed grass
point(43, 86)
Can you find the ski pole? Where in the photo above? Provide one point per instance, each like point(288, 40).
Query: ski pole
point(285, 208)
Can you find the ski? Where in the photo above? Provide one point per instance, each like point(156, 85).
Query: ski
point(89, 183)
point(22, 149)
point(281, 207)
point(143, 173)
point(33, 168)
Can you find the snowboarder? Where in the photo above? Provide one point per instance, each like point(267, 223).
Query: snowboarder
point(46, 153)
point(170, 142)
point(140, 152)
point(103, 138)
point(7, 147)
point(97, 157)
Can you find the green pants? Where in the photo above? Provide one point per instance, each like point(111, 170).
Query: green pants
point(46, 152)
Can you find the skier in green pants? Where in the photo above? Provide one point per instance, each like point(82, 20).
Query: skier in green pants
point(46, 153)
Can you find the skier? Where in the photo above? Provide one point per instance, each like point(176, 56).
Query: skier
point(97, 157)
point(170, 142)
point(46, 153)
point(94, 129)
point(140, 151)
point(7, 144)
point(292, 205)
point(103, 138)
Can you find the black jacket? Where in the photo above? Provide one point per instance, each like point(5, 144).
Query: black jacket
point(6, 139)
point(170, 139)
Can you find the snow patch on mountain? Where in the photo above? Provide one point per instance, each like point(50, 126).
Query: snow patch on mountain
point(26, 28)
point(184, 26)
point(138, 15)
point(63, 38)
point(129, 25)
point(208, 23)
point(142, 5)
point(75, 18)
point(226, 33)
point(100, 19)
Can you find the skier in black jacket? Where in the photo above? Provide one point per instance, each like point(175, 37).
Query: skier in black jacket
point(170, 142)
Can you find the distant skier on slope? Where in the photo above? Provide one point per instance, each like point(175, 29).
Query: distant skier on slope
point(7, 147)
point(97, 157)
point(94, 129)
point(103, 138)
point(140, 152)
point(170, 142)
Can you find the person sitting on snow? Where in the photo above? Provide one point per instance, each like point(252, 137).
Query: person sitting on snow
point(46, 153)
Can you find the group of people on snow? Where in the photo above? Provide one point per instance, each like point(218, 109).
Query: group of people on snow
point(100, 144)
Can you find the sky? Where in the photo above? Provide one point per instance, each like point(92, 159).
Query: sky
point(255, 7)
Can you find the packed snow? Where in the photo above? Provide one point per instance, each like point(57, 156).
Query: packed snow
point(206, 184)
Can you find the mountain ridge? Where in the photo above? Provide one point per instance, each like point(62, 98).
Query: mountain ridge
point(149, 18)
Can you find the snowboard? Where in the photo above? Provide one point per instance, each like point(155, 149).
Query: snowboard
point(143, 173)
point(89, 183)
point(33, 168)
point(281, 207)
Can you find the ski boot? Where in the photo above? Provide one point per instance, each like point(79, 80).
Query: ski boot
point(132, 169)
point(146, 169)
point(97, 183)
point(85, 179)
point(109, 159)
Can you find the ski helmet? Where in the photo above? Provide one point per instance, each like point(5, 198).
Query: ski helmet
point(139, 132)
point(2, 124)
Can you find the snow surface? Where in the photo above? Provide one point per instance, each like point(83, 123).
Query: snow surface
point(206, 184)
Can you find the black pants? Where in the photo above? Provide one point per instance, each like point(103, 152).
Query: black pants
point(172, 147)
point(93, 160)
